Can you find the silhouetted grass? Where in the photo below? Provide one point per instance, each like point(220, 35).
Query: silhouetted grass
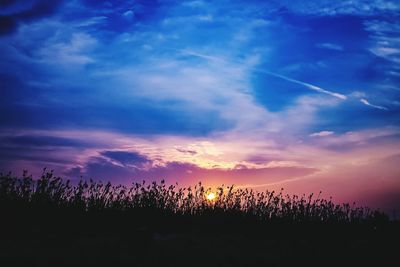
point(52, 192)
point(149, 223)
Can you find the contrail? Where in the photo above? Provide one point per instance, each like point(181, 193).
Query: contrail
point(212, 58)
point(365, 102)
point(285, 181)
point(309, 86)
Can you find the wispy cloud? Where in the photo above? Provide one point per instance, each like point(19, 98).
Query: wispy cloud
point(330, 46)
point(321, 134)
point(344, 7)
point(72, 52)
point(367, 103)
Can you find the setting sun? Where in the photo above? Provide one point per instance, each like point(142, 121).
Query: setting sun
point(210, 196)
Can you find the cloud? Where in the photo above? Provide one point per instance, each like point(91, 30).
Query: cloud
point(366, 102)
point(72, 52)
point(358, 94)
point(42, 141)
point(330, 46)
point(259, 70)
point(13, 12)
point(128, 14)
point(344, 7)
point(36, 150)
point(322, 134)
point(162, 90)
point(385, 44)
point(365, 139)
point(127, 158)
point(191, 152)
point(90, 22)
point(384, 39)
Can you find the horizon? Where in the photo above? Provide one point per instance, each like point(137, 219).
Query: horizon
point(261, 94)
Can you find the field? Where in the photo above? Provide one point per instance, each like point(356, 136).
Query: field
point(51, 222)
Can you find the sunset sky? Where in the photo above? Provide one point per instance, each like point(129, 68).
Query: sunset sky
point(302, 95)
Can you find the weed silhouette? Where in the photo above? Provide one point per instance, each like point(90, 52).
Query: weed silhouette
point(155, 224)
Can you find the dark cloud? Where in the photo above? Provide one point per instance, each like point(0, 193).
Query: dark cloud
point(127, 158)
point(338, 118)
point(41, 141)
point(102, 169)
point(12, 12)
point(33, 158)
point(186, 151)
point(7, 25)
point(262, 159)
point(149, 120)
point(44, 157)
point(349, 145)
point(38, 151)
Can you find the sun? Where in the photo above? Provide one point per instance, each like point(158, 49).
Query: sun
point(210, 196)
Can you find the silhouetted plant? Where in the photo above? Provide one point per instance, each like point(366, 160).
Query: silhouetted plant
point(52, 191)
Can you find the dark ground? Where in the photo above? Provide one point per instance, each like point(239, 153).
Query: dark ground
point(53, 239)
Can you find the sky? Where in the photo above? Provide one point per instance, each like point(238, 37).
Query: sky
point(300, 95)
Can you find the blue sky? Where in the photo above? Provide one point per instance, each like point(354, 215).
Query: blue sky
point(257, 93)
